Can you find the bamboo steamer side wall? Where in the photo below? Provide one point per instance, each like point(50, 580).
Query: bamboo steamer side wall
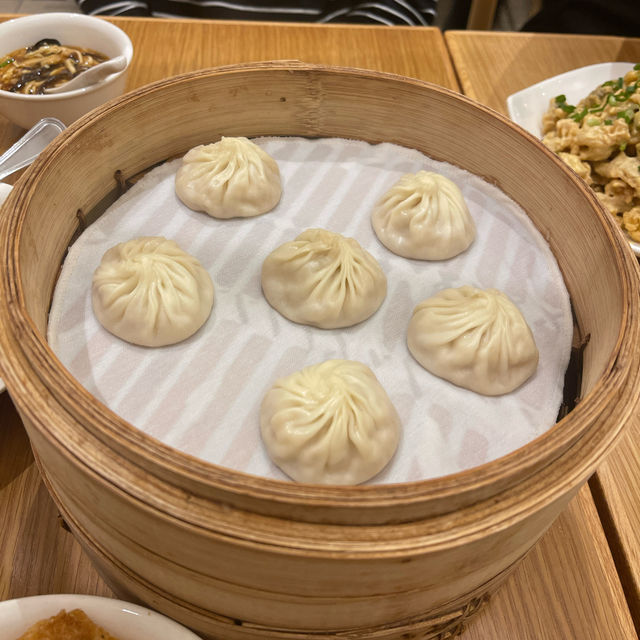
point(294, 576)
point(162, 120)
point(432, 625)
point(429, 625)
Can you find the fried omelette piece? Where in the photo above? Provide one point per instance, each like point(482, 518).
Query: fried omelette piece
point(631, 223)
point(74, 625)
point(617, 196)
point(583, 169)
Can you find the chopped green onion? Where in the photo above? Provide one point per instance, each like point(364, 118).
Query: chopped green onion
point(578, 116)
point(4, 63)
point(636, 67)
point(608, 121)
point(617, 84)
point(598, 108)
point(622, 96)
point(561, 103)
point(592, 122)
point(627, 115)
point(623, 146)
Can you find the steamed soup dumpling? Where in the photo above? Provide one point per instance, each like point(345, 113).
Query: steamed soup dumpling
point(424, 216)
point(323, 279)
point(330, 423)
point(230, 178)
point(150, 292)
point(475, 338)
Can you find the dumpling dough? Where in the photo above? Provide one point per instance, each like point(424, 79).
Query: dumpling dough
point(149, 292)
point(323, 279)
point(330, 423)
point(424, 216)
point(475, 338)
point(231, 178)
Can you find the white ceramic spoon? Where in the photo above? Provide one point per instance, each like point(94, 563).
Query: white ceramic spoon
point(93, 75)
point(28, 148)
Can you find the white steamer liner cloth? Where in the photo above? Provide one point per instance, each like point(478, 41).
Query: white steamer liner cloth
point(202, 396)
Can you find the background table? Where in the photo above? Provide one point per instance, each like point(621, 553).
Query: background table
point(569, 586)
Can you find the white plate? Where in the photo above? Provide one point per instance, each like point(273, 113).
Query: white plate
point(526, 107)
point(122, 620)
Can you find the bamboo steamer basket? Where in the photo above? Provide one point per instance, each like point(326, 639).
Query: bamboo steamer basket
point(239, 557)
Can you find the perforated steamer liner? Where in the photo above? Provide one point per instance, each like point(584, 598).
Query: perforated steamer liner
point(236, 556)
point(175, 394)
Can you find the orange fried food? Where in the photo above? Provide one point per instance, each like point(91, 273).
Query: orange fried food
point(74, 625)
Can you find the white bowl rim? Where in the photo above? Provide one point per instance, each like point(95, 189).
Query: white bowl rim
point(44, 606)
point(562, 76)
point(127, 52)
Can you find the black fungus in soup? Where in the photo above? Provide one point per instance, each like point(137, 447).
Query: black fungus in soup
point(44, 65)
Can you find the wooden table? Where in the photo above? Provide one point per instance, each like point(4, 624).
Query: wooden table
point(569, 587)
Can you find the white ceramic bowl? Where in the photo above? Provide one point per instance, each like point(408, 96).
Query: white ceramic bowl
point(122, 620)
point(526, 107)
point(69, 28)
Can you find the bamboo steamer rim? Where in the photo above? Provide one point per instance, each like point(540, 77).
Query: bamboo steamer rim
point(21, 334)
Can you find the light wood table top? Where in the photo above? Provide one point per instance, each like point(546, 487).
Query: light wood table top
point(568, 587)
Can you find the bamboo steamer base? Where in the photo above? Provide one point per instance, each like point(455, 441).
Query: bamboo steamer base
point(237, 557)
point(446, 622)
